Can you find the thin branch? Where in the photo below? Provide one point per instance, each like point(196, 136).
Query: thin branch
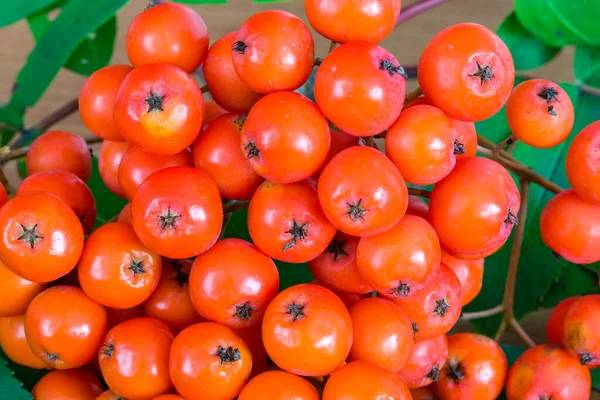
point(412, 95)
point(235, 205)
point(57, 116)
point(4, 180)
point(10, 127)
point(522, 170)
point(521, 332)
point(417, 8)
point(22, 151)
point(500, 146)
point(318, 61)
point(419, 192)
point(501, 330)
point(483, 314)
point(204, 89)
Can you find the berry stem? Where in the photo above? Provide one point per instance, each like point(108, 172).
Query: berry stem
point(410, 96)
point(483, 314)
point(419, 192)
point(204, 89)
point(417, 8)
point(318, 61)
point(500, 146)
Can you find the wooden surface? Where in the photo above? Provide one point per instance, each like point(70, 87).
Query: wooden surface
point(406, 43)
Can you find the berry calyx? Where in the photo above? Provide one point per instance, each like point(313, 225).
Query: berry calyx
point(551, 111)
point(251, 150)
point(585, 359)
point(441, 307)
point(30, 235)
point(336, 247)
point(239, 47)
point(511, 219)
point(434, 373)
point(107, 349)
point(459, 148)
point(168, 220)
point(456, 372)
point(485, 74)
point(244, 311)
point(154, 102)
point(295, 310)
point(228, 354)
point(549, 94)
point(51, 358)
point(402, 290)
point(356, 211)
point(415, 327)
point(298, 232)
point(137, 267)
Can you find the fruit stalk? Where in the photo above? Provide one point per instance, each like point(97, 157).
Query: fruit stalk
point(417, 8)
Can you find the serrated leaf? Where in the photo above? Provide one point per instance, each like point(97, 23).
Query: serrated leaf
point(77, 19)
point(559, 22)
point(587, 65)
point(528, 51)
point(11, 387)
point(92, 54)
point(28, 377)
point(573, 281)
point(539, 269)
point(12, 11)
point(289, 274)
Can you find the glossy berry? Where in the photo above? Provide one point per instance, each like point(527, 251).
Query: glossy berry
point(97, 99)
point(467, 71)
point(14, 343)
point(64, 327)
point(358, 87)
point(425, 362)
point(212, 111)
point(424, 393)
point(286, 223)
point(232, 283)
point(336, 267)
point(177, 212)
point(159, 108)
point(570, 228)
point(361, 192)
point(339, 141)
point(343, 21)
point(171, 302)
point(290, 145)
point(422, 145)
point(61, 150)
point(269, 58)
point(360, 380)
point(16, 293)
point(547, 372)
point(382, 333)
point(226, 87)
point(554, 326)
point(298, 312)
point(436, 307)
point(42, 237)
point(137, 165)
point(73, 384)
point(583, 163)
point(540, 113)
point(253, 339)
point(580, 330)
point(398, 262)
point(417, 206)
point(116, 269)
point(217, 152)
point(278, 385)
point(469, 273)
point(209, 361)
point(134, 358)
point(109, 160)
point(476, 368)
point(167, 33)
point(125, 214)
point(69, 188)
point(474, 208)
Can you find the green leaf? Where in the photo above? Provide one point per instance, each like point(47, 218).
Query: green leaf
point(528, 51)
point(201, 1)
point(12, 117)
point(27, 376)
point(559, 22)
point(587, 65)
point(95, 50)
point(107, 203)
point(77, 19)
point(539, 269)
point(573, 281)
point(12, 11)
point(11, 387)
point(289, 274)
point(595, 373)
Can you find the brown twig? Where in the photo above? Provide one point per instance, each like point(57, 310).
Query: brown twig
point(522, 170)
point(235, 205)
point(10, 127)
point(417, 8)
point(521, 332)
point(500, 146)
point(205, 89)
point(22, 151)
point(419, 192)
point(57, 116)
point(410, 96)
point(4, 181)
point(483, 314)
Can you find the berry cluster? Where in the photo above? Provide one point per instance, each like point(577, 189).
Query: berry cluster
point(158, 302)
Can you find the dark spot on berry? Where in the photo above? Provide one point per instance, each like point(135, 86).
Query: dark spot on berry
point(295, 310)
point(336, 247)
point(459, 148)
point(434, 374)
point(154, 102)
point(239, 121)
point(239, 47)
point(107, 349)
point(402, 290)
point(251, 150)
point(168, 220)
point(244, 311)
point(51, 358)
point(415, 328)
point(137, 267)
point(297, 232)
point(228, 354)
point(441, 307)
point(511, 219)
point(551, 111)
point(180, 276)
point(484, 74)
point(455, 372)
point(30, 235)
point(386, 65)
point(585, 358)
point(356, 211)
point(549, 94)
